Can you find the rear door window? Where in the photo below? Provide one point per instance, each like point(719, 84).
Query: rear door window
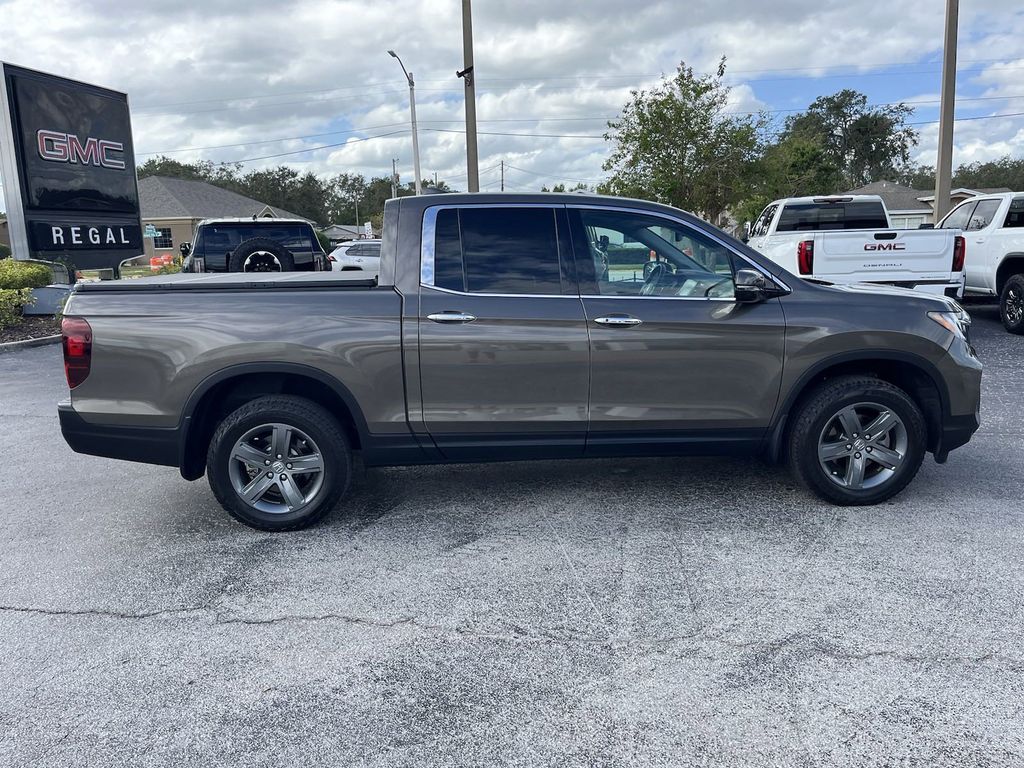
point(824, 216)
point(983, 214)
point(495, 250)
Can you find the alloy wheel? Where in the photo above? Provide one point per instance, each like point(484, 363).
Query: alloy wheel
point(1014, 305)
point(261, 261)
point(276, 468)
point(862, 446)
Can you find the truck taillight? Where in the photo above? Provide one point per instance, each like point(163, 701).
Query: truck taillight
point(805, 257)
point(959, 253)
point(76, 337)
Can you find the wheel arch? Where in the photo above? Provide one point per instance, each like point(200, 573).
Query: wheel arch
point(919, 378)
point(1011, 264)
point(227, 389)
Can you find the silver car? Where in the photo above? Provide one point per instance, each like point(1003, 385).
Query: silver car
point(356, 255)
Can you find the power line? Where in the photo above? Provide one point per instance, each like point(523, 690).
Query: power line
point(312, 149)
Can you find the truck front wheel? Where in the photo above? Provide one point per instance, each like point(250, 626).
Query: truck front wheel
point(1011, 304)
point(857, 440)
point(279, 463)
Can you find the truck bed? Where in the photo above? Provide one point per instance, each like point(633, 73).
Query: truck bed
point(219, 281)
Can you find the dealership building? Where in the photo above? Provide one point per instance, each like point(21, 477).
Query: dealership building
point(175, 206)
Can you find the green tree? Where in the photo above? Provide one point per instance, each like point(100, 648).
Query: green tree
point(1005, 172)
point(791, 167)
point(866, 143)
point(679, 144)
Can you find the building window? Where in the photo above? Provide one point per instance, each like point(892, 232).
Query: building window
point(163, 238)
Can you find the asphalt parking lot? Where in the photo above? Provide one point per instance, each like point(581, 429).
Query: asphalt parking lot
point(649, 612)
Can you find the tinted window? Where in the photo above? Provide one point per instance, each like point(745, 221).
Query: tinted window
point(497, 250)
point(813, 217)
point(959, 218)
point(983, 214)
point(1015, 216)
point(223, 238)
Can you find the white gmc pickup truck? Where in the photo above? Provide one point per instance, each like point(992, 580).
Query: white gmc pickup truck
point(993, 226)
point(849, 239)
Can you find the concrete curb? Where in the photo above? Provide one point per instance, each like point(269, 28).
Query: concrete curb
point(14, 346)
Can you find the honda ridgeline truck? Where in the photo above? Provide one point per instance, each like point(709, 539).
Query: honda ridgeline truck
point(497, 330)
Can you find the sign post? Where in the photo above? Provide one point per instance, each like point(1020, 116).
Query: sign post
point(68, 166)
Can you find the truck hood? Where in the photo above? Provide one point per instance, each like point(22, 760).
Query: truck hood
point(943, 303)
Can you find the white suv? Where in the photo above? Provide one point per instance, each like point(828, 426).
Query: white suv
point(356, 255)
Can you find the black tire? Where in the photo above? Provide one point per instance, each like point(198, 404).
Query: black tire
point(1011, 304)
point(300, 414)
point(818, 411)
point(254, 245)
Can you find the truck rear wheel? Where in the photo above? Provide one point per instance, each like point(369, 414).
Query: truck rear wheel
point(1011, 304)
point(279, 463)
point(857, 440)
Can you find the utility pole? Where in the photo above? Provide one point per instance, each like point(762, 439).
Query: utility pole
point(469, 78)
point(435, 179)
point(944, 166)
point(502, 175)
point(412, 113)
point(394, 178)
point(357, 211)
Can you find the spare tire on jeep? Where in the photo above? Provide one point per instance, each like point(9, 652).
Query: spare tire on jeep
point(261, 254)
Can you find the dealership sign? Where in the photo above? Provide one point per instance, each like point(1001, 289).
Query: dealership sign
point(68, 170)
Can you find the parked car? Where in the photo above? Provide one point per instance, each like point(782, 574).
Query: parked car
point(849, 239)
point(994, 228)
point(355, 255)
point(495, 332)
point(253, 245)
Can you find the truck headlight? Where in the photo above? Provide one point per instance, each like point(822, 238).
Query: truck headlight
point(957, 322)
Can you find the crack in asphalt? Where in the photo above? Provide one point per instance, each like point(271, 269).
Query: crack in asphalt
point(522, 634)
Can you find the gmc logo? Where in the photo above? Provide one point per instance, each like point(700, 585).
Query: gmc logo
point(68, 148)
point(885, 246)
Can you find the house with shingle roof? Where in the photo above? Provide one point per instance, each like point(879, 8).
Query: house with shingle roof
point(910, 208)
point(175, 206)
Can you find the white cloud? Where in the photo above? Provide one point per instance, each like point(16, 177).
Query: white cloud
point(224, 73)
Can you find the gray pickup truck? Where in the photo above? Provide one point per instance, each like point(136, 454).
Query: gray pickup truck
point(511, 327)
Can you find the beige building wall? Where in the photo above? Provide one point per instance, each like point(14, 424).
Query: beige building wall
point(5, 236)
point(181, 231)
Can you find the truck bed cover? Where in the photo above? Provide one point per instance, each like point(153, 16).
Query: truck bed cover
point(219, 281)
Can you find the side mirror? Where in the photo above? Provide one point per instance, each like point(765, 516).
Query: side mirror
point(926, 226)
point(746, 232)
point(752, 287)
point(185, 249)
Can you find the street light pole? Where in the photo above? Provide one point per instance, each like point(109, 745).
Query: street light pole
point(412, 113)
point(944, 166)
point(472, 160)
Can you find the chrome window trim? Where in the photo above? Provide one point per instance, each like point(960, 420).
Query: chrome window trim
point(428, 233)
point(681, 222)
point(573, 296)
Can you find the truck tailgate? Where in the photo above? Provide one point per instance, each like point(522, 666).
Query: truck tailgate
point(885, 256)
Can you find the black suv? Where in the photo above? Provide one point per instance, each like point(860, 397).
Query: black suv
point(254, 245)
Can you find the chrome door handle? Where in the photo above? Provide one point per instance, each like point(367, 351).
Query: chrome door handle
point(451, 317)
point(618, 320)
